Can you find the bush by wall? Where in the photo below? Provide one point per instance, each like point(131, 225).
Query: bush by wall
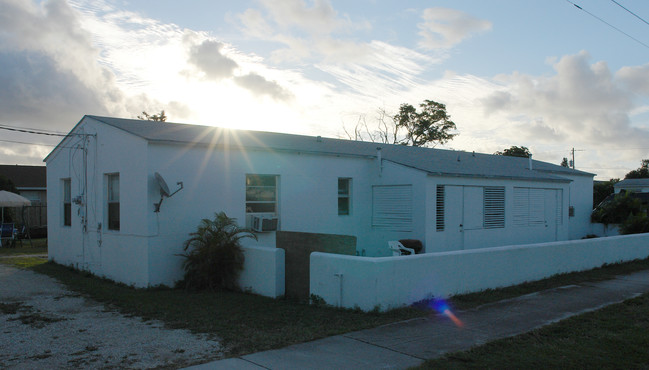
point(215, 258)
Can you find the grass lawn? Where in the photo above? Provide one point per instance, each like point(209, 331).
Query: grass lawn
point(615, 337)
point(39, 246)
point(248, 323)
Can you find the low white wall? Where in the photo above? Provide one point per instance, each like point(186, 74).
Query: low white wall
point(604, 230)
point(263, 271)
point(391, 282)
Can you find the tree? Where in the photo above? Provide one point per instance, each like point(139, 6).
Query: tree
point(626, 210)
point(640, 173)
point(429, 127)
point(515, 151)
point(602, 189)
point(564, 162)
point(161, 117)
point(7, 184)
point(618, 209)
point(215, 258)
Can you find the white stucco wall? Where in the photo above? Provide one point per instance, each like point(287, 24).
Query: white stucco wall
point(581, 198)
point(263, 271)
point(391, 282)
point(118, 255)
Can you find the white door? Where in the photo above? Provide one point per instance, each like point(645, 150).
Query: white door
point(551, 213)
point(454, 209)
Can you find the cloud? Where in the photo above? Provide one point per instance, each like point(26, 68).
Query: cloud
point(636, 78)
point(582, 104)
point(213, 64)
point(34, 89)
point(210, 60)
point(308, 32)
point(50, 77)
point(445, 28)
point(260, 86)
point(320, 18)
point(47, 66)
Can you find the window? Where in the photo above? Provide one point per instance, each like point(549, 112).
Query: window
point(439, 212)
point(392, 207)
point(112, 181)
point(344, 196)
point(494, 207)
point(67, 203)
point(261, 194)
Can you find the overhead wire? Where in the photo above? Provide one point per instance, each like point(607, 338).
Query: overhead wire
point(632, 13)
point(608, 24)
point(30, 131)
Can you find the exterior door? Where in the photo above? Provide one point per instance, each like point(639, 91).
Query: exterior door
point(454, 206)
point(552, 214)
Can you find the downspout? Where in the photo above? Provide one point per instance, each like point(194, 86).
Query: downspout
point(380, 160)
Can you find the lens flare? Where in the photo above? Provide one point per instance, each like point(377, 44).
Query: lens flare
point(442, 307)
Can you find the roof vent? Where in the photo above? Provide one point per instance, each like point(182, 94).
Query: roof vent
point(530, 162)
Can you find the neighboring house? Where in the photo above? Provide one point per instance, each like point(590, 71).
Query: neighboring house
point(30, 181)
point(103, 193)
point(632, 185)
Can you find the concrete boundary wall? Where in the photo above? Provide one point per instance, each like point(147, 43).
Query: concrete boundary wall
point(263, 271)
point(391, 282)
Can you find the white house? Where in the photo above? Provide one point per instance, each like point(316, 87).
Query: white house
point(102, 194)
point(632, 185)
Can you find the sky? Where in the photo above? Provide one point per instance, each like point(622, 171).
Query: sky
point(550, 75)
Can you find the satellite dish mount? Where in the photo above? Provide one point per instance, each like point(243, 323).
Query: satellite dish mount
point(164, 190)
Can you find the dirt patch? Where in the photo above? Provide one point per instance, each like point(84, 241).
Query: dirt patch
point(43, 325)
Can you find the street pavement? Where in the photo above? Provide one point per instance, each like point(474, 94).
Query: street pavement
point(409, 343)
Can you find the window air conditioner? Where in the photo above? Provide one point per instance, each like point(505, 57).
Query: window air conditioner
point(263, 223)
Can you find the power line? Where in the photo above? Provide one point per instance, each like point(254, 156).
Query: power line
point(16, 129)
point(608, 24)
point(635, 15)
point(31, 128)
point(24, 142)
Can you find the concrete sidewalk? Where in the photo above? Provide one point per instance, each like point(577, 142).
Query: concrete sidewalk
point(409, 343)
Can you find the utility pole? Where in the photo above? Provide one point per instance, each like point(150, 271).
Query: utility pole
point(573, 158)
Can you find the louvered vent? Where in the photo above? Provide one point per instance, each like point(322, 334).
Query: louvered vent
point(392, 207)
point(494, 207)
point(439, 213)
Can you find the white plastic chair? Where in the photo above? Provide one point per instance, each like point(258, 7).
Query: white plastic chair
point(398, 249)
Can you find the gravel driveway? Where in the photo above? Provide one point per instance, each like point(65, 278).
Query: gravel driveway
point(44, 325)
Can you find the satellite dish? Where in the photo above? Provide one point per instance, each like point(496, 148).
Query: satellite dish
point(164, 189)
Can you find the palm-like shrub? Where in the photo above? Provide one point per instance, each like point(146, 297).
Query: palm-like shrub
point(213, 256)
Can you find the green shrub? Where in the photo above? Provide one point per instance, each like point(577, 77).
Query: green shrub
point(635, 224)
point(215, 258)
point(617, 210)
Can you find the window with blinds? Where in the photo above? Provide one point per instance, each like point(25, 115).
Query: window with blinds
point(392, 207)
point(494, 207)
